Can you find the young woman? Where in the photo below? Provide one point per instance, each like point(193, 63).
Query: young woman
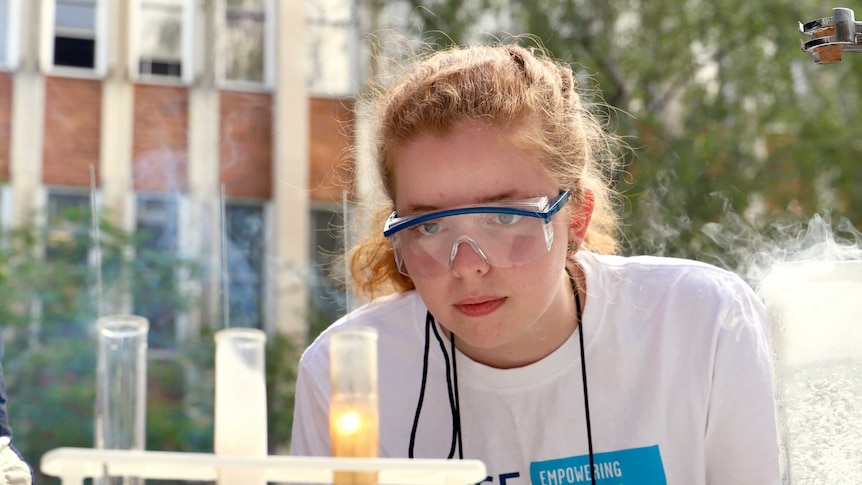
point(508, 330)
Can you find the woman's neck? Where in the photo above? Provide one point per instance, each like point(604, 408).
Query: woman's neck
point(541, 339)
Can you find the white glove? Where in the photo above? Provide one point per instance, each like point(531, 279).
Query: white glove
point(13, 470)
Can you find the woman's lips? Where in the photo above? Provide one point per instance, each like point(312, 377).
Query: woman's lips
point(480, 308)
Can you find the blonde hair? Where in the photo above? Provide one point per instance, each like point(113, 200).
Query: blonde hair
point(509, 87)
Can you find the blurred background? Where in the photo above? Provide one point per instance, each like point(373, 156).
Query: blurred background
point(211, 142)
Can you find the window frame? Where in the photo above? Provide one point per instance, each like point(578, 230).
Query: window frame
point(269, 43)
point(187, 67)
point(100, 48)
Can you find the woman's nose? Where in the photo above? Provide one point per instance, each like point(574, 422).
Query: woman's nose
point(468, 260)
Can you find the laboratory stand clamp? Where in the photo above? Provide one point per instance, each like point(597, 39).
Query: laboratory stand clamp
point(831, 36)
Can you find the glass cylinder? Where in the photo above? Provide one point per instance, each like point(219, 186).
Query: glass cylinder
point(815, 311)
point(121, 386)
point(354, 423)
point(240, 402)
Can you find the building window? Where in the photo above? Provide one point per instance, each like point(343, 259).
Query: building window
point(5, 204)
point(62, 203)
point(67, 308)
point(10, 22)
point(245, 235)
point(75, 33)
point(246, 42)
point(162, 40)
point(79, 28)
point(156, 227)
point(4, 31)
point(328, 299)
point(68, 227)
point(332, 43)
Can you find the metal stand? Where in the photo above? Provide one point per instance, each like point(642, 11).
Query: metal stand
point(832, 35)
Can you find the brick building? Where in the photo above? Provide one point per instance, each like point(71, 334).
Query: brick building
point(178, 115)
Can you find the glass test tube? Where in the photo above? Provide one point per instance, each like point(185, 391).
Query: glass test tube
point(353, 409)
point(815, 316)
point(121, 387)
point(240, 402)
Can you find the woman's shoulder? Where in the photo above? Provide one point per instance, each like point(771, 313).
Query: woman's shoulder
point(646, 281)
point(697, 298)
point(658, 269)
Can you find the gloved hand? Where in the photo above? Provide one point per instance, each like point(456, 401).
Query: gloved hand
point(13, 470)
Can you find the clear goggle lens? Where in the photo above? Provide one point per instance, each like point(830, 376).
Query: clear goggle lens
point(504, 234)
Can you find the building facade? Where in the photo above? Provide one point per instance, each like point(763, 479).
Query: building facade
point(192, 121)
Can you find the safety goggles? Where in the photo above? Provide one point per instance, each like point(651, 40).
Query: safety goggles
point(505, 234)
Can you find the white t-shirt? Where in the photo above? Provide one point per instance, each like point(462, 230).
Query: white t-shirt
point(679, 382)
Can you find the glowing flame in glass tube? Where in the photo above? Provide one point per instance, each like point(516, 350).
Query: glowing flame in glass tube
point(348, 423)
point(354, 424)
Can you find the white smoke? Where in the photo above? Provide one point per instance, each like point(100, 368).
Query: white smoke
point(810, 277)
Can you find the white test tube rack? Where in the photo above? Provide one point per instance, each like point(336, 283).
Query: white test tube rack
point(74, 465)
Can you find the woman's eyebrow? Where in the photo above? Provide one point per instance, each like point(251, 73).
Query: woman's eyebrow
point(414, 209)
point(422, 208)
point(510, 195)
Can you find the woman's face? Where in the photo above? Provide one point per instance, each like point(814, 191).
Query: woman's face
point(502, 317)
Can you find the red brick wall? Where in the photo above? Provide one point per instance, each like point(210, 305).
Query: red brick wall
point(331, 125)
point(72, 128)
point(245, 144)
point(160, 139)
point(5, 123)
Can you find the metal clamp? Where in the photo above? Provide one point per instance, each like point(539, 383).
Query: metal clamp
point(832, 35)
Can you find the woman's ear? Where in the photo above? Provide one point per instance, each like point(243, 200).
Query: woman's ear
point(580, 219)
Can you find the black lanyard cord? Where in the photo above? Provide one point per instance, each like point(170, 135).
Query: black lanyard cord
point(579, 322)
point(428, 320)
point(451, 385)
point(457, 399)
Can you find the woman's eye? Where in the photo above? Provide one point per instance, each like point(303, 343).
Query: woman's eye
point(429, 228)
point(507, 219)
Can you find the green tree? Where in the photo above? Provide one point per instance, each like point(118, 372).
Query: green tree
point(48, 304)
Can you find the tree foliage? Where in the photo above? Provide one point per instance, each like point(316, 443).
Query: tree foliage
point(728, 120)
point(48, 304)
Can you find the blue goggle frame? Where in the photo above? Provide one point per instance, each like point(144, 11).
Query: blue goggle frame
point(528, 208)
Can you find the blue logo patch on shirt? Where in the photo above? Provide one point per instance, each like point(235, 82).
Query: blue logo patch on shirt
point(637, 466)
